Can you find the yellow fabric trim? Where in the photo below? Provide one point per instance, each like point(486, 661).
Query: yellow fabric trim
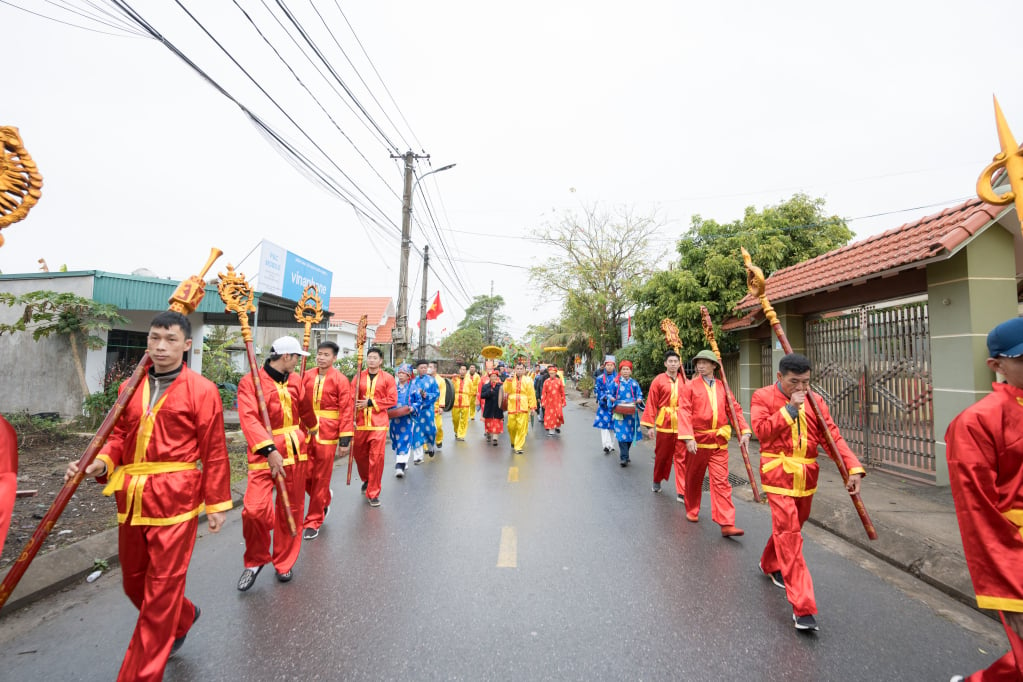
point(328, 414)
point(712, 396)
point(1015, 517)
point(346, 433)
point(260, 446)
point(259, 466)
point(327, 442)
point(169, 521)
point(106, 459)
point(857, 470)
point(724, 431)
point(786, 492)
point(285, 429)
point(1000, 603)
point(141, 470)
point(790, 465)
point(370, 428)
point(222, 506)
point(671, 411)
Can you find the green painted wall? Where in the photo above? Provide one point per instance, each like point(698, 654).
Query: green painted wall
point(967, 295)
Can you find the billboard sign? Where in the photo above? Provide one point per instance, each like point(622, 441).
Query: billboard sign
point(287, 274)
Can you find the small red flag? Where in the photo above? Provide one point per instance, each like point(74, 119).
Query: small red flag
point(435, 308)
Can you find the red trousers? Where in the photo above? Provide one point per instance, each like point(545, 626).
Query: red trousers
point(1008, 668)
point(784, 550)
point(667, 449)
point(722, 511)
point(154, 562)
point(319, 469)
point(264, 518)
point(493, 425)
point(368, 449)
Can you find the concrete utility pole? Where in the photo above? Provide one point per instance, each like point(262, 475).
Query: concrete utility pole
point(422, 305)
point(400, 335)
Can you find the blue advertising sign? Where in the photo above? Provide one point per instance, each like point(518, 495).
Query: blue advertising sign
point(287, 274)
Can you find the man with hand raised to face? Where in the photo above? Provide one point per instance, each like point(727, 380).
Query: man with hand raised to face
point(151, 464)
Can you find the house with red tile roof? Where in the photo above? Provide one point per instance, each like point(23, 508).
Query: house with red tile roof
point(345, 314)
point(895, 327)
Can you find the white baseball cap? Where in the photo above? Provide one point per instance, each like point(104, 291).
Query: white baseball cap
point(287, 345)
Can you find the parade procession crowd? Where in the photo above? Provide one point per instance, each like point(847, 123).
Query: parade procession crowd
point(167, 460)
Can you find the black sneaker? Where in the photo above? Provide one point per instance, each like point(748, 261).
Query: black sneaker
point(365, 484)
point(181, 640)
point(285, 577)
point(775, 577)
point(374, 501)
point(607, 451)
point(807, 622)
point(680, 498)
point(439, 446)
point(248, 578)
point(310, 533)
point(656, 487)
point(623, 463)
point(557, 430)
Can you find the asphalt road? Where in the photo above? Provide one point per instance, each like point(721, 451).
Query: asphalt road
point(484, 565)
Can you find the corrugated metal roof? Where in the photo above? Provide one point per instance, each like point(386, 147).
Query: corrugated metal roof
point(135, 292)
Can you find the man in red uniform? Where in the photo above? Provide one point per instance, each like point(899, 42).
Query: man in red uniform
point(8, 476)
point(151, 464)
point(984, 446)
point(660, 417)
point(553, 401)
point(377, 393)
point(704, 426)
point(279, 453)
point(332, 402)
point(789, 440)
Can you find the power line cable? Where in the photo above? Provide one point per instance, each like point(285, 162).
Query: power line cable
point(379, 77)
point(82, 13)
point(323, 58)
point(66, 23)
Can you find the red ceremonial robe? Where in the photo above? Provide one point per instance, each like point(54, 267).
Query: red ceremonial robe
point(661, 413)
point(8, 476)
point(984, 446)
point(290, 410)
point(153, 461)
point(371, 426)
point(788, 474)
point(552, 397)
point(330, 394)
point(703, 417)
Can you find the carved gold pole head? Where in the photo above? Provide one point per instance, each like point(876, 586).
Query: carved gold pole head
point(20, 182)
point(708, 331)
point(309, 311)
point(757, 286)
point(360, 334)
point(1010, 159)
point(671, 334)
point(188, 295)
point(237, 295)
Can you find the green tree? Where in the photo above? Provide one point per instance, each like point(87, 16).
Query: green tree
point(216, 355)
point(710, 272)
point(80, 320)
point(464, 344)
point(484, 315)
point(601, 257)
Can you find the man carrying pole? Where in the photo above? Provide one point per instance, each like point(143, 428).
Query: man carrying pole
point(330, 393)
point(151, 464)
point(275, 450)
point(660, 417)
point(374, 393)
point(703, 425)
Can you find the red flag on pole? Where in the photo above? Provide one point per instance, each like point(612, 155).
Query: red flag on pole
point(435, 308)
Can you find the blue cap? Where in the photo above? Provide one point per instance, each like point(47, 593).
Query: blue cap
point(1006, 340)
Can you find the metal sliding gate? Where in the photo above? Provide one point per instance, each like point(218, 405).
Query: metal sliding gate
point(873, 368)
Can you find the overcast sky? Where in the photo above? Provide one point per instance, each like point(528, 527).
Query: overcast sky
point(674, 108)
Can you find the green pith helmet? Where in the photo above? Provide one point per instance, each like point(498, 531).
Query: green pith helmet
point(706, 355)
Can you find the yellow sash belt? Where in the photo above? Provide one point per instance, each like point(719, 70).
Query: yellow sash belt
point(725, 432)
point(790, 465)
point(295, 448)
point(288, 461)
point(672, 412)
point(141, 470)
point(328, 414)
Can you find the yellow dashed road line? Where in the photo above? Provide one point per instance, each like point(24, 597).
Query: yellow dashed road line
point(507, 555)
point(513, 474)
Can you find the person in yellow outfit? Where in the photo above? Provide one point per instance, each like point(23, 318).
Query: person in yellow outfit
point(474, 377)
point(465, 396)
point(521, 403)
point(438, 407)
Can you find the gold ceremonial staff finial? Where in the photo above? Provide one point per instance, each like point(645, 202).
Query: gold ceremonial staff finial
point(20, 182)
point(1011, 160)
point(671, 338)
point(309, 311)
point(237, 295)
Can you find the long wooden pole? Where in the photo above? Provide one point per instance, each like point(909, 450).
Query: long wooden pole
point(360, 343)
point(755, 283)
point(708, 332)
point(185, 299)
point(237, 295)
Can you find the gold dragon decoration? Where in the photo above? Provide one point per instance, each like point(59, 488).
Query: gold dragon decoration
point(20, 182)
